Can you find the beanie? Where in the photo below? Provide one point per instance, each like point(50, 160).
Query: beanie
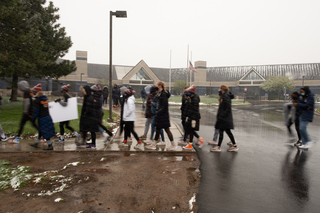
point(37, 88)
point(191, 89)
point(65, 87)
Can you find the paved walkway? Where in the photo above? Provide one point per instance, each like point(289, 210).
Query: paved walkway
point(113, 146)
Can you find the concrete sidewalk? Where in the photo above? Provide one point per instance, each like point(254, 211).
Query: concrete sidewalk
point(112, 146)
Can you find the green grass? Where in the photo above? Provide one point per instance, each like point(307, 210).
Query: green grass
point(318, 110)
point(11, 113)
point(205, 100)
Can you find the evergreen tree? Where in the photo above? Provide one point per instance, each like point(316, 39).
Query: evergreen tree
point(31, 41)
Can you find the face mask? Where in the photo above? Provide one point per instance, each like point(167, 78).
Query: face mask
point(188, 94)
point(303, 94)
point(220, 92)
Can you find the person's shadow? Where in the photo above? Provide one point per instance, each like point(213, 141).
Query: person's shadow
point(295, 176)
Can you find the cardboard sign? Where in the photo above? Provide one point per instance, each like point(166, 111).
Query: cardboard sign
point(60, 113)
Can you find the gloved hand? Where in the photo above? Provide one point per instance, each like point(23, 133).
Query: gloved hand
point(57, 100)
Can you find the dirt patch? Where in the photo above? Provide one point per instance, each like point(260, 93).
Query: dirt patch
point(104, 182)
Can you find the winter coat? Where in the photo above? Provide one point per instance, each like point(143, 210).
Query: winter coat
point(143, 94)
point(148, 113)
point(184, 103)
point(306, 107)
point(88, 119)
point(115, 92)
point(129, 109)
point(224, 115)
point(192, 110)
point(98, 101)
point(162, 115)
point(41, 111)
point(27, 98)
point(105, 92)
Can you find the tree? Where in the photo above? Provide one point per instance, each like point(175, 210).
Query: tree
point(31, 41)
point(179, 86)
point(277, 83)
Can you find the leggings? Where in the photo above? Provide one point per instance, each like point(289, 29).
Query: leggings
point(67, 126)
point(228, 133)
point(23, 121)
point(129, 128)
point(167, 131)
point(93, 137)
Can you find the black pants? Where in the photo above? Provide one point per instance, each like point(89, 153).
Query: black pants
point(167, 131)
point(296, 124)
point(93, 137)
point(66, 123)
point(105, 129)
point(129, 128)
point(105, 100)
point(23, 121)
point(191, 132)
point(229, 133)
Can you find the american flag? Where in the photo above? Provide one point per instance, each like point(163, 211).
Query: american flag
point(191, 67)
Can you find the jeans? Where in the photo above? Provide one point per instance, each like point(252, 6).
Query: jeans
point(147, 125)
point(303, 131)
point(153, 129)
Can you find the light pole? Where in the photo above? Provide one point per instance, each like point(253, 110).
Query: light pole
point(118, 14)
point(302, 80)
point(81, 78)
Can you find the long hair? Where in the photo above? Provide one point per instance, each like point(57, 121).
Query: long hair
point(224, 88)
point(163, 85)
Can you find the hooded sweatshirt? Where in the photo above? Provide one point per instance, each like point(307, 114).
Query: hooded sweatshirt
point(27, 97)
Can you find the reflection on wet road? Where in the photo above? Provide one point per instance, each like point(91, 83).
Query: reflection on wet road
point(268, 174)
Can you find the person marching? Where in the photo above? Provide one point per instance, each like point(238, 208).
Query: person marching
point(41, 112)
point(105, 92)
point(184, 103)
point(3, 136)
point(162, 120)
point(98, 99)
point(143, 97)
point(193, 116)
point(292, 114)
point(306, 105)
point(225, 120)
point(27, 108)
point(64, 102)
point(88, 118)
point(115, 95)
point(129, 117)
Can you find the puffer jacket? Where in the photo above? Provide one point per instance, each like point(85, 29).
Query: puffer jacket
point(129, 109)
point(41, 111)
point(162, 114)
point(224, 115)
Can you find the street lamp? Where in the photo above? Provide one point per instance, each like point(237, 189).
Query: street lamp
point(118, 14)
point(302, 80)
point(81, 78)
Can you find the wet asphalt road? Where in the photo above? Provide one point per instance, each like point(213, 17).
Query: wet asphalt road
point(267, 174)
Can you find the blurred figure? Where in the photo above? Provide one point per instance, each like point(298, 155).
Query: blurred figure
point(143, 96)
point(105, 92)
point(225, 120)
point(115, 95)
point(183, 107)
point(3, 136)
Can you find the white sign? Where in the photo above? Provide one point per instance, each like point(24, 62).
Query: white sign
point(60, 113)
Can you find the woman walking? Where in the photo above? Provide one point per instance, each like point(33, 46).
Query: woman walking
point(225, 120)
point(162, 114)
point(129, 117)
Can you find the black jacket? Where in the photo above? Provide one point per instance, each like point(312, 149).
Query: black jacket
point(224, 115)
point(88, 119)
point(162, 114)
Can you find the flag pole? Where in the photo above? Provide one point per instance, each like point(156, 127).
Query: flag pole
point(170, 74)
point(190, 70)
point(187, 64)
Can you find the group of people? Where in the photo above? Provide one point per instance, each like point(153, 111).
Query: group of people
point(300, 112)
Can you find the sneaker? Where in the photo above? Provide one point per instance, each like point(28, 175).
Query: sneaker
point(139, 146)
point(182, 143)
point(201, 140)
point(91, 146)
point(298, 143)
point(230, 143)
point(197, 142)
point(130, 139)
point(213, 142)
point(49, 147)
point(189, 146)
point(161, 143)
point(143, 137)
point(233, 149)
point(89, 140)
point(172, 147)
point(216, 149)
point(151, 146)
point(16, 140)
point(60, 140)
point(148, 142)
point(306, 145)
point(123, 144)
point(4, 139)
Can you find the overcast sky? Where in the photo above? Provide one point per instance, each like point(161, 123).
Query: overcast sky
point(221, 32)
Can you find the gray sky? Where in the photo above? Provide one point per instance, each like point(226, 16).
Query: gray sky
point(221, 32)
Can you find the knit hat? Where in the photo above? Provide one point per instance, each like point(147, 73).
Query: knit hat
point(94, 87)
point(37, 88)
point(129, 92)
point(191, 89)
point(153, 89)
point(65, 87)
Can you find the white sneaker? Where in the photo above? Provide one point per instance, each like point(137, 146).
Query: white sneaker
point(4, 139)
point(123, 144)
point(172, 147)
point(138, 146)
point(151, 146)
point(182, 143)
point(213, 142)
point(148, 142)
point(161, 143)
